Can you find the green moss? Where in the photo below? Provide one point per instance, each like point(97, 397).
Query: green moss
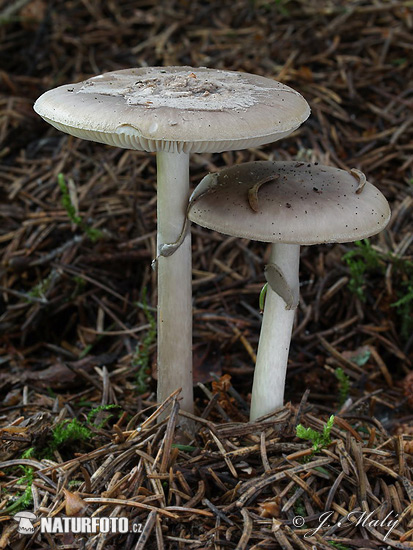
point(28, 453)
point(68, 431)
point(319, 440)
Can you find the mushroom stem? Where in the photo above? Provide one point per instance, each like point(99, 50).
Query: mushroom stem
point(275, 337)
point(174, 281)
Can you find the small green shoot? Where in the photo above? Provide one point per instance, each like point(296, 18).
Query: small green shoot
point(262, 297)
point(50, 392)
point(93, 234)
point(343, 385)
point(319, 440)
point(28, 453)
point(86, 350)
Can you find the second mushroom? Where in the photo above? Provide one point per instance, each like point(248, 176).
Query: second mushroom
point(288, 204)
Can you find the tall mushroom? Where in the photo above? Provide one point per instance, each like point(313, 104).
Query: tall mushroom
point(175, 111)
point(288, 204)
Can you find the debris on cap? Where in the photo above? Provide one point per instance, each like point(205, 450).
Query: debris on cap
point(175, 109)
point(300, 203)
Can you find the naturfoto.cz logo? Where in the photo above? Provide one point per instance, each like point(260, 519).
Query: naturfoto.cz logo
point(76, 525)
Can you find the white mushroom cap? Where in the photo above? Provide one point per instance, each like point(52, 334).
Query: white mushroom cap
point(289, 202)
point(175, 109)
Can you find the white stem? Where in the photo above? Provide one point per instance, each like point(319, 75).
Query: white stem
point(174, 281)
point(274, 344)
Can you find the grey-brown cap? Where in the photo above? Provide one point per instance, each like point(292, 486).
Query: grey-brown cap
point(175, 109)
point(289, 202)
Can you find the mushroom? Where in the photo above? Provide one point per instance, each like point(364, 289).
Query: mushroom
point(175, 111)
point(288, 204)
point(25, 520)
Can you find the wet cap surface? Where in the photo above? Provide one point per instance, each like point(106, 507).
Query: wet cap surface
point(175, 109)
point(289, 202)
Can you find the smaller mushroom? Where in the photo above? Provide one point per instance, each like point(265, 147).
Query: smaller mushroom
point(288, 204)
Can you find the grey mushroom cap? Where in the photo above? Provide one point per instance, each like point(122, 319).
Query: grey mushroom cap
point(289, 202)
point(175, 109)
